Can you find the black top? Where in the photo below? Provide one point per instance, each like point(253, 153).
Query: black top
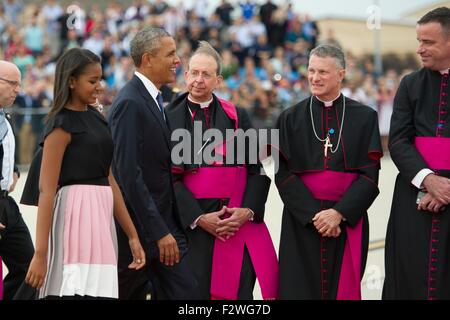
point(88, 156)
point(257, 185)
point(359, 145)
point(359, 152)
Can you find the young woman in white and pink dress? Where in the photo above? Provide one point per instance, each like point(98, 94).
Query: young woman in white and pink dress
point(76, 251)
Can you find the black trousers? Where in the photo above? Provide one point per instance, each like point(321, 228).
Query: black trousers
point(155, 281)
point(16, 247)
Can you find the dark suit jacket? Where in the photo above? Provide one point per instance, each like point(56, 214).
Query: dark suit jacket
point(36, 119)
point(141, 163)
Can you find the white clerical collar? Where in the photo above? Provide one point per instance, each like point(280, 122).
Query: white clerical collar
point(445, 71)
point(203, 105)
point(329, 103)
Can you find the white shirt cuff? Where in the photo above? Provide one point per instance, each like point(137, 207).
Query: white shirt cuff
point(418, 179)
point(194, 224)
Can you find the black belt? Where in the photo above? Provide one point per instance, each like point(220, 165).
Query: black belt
point(3, 193)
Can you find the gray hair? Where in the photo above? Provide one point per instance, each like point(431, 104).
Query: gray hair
point(206, 49)
point(146, 40)
point(327, 50)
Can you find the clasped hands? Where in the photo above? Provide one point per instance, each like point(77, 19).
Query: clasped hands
point(327, 222)
point(438, 193)
point(223, 229)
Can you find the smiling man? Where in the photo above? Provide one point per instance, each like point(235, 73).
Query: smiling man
point(328, 175)
point(221, 203)
point(142, 168)
point(416, 259)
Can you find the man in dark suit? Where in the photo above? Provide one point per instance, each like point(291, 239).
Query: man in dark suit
point(28, 123)
point(142, 168)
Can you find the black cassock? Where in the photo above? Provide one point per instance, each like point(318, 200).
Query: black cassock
point(201, 243)
point(310, 265)
point(417, 254)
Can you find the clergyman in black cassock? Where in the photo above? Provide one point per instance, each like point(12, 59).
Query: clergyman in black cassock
point(327, 179)
point(417, 259)
point(203, 216)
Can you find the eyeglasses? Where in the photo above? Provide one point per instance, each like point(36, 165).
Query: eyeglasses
point(196, 74)
point(12, 83)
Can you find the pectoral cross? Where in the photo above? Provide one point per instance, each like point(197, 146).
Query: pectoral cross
point(327, 145)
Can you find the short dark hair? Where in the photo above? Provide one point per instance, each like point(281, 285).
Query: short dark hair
point(146, 40)
point(72, 63)
point(440, 15)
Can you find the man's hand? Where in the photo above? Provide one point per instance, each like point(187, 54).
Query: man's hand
point(438, 187)
point(15, 178)
point(210, 223)
point(429, 203)
point(238, 217)
point(168, 250)
point(333, 232)
point(327, 221)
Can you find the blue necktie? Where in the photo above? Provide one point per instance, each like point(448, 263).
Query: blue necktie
point(3, 125)
point(159, 98)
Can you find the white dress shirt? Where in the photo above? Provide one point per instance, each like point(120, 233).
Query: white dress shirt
point(9, 146)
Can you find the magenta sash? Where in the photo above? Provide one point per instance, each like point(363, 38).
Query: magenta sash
point(230, 182)
point(1, 279)
point(435, 151)
point(331, 185)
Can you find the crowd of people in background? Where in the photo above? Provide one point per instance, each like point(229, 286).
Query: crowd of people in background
point(139, 201)
point(265, 50)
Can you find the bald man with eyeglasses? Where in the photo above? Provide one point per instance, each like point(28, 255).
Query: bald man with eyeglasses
point(16, 246)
